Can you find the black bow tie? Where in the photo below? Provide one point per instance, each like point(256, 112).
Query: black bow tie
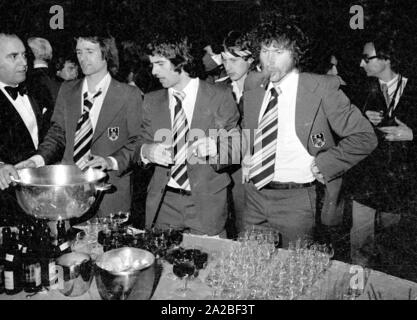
point(13, 91)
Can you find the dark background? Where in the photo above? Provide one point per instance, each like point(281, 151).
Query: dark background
point(326, 23)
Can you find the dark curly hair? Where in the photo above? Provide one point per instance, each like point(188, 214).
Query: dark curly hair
point(178, 52)
point(284, 34)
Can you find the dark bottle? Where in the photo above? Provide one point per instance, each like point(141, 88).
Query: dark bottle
point(31, 268)
point(12, 268)
point(47, 257)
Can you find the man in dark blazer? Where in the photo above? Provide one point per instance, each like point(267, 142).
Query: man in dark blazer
point(115, 114)
point(287, 129)
point(20, 121)
point(180, 137)
point(383, 186)
point(41, 82)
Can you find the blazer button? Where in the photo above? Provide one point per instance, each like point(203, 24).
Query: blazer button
point(167, 173)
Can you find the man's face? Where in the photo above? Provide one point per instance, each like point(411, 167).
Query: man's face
point(90, 57)
point(13, 64)
point(69, 71)
point(236, 67)
point(163, 69)
point(276, 61)
point(375, 66)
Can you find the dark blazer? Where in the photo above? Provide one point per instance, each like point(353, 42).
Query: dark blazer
point(321, 109)
point(121, 109)
point(386, 180)
point(44, 88)
point(214, 109)
point(15, 145)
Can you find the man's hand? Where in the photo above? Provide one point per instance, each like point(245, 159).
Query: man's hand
point(316, 172)
point(158, 153)
point(374, 116)
point(204, 147)
point(397, 133)
point(6, 172)
point(102, 163)
point(25, 164)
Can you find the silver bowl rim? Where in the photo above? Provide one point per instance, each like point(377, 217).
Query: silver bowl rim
point(126, 273)
point(101, 175)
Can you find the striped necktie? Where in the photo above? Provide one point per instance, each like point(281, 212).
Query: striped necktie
point(263, 160)
point(84, 132)
point(179, 137)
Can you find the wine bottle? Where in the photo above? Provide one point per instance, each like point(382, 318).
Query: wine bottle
point(12, 268)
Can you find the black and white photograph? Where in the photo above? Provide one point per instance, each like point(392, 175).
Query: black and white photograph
point(209, 155)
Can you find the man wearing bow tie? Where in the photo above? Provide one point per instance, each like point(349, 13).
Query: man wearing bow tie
point(95, 123)
point(20, 120)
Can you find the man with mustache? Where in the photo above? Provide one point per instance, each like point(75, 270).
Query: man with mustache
point(288, 127)
point(20, 121)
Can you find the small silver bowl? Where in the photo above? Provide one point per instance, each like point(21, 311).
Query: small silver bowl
point(125, 274)
point(75, 273)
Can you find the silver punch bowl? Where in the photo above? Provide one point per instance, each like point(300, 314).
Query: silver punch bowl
point(58, 192)
point(125, 274)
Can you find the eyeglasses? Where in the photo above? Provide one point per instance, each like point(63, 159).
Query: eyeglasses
point(367, 59)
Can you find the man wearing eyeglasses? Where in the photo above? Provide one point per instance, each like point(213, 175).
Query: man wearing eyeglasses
point(384, 183)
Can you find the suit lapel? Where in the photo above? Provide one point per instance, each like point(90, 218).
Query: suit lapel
point(202, 108)
point(253, 99)
point(113, 102)
point(161, 105)
point(73, 101)
point(306, 107)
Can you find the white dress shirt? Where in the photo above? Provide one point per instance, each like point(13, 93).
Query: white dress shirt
point(25, 110)
point(292, 162)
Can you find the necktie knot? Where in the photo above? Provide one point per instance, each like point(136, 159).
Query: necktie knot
point(179, 95)
point(88, 102)
point(14, 91)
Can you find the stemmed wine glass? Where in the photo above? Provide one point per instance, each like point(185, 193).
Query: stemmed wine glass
point(187, 270)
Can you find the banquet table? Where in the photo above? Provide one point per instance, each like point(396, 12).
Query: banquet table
point(340, 276)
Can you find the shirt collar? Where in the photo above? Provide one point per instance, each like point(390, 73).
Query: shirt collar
point(2, 85)
point(286, 83)
point(389, 83)
point(102, 85)
point(189, 88)
point(40, 65)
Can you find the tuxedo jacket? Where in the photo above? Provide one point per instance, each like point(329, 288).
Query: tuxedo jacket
point(44, 88)
point(386, 180)
point(321, 111)
point(15, 145)
point(115, 135)
point(214, 109)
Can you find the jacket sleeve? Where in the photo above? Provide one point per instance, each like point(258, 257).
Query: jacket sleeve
point(145, 133)
point(228, 139)
point(357, 135)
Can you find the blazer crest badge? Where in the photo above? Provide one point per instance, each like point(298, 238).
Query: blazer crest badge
point(113, 133)
point(318, 140)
